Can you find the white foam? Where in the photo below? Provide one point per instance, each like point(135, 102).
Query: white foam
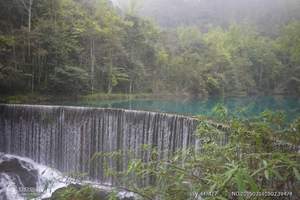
point(49, 180)
point(9, 188)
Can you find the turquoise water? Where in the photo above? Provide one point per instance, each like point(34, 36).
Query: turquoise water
point(251, 106)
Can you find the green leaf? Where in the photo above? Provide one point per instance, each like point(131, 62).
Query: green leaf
point(267, 174)
point(265, 163)
point(296, 172)
point(213, 187)
point(221, 198)
point(249, 180)
point(278, 175)
point(239, 180)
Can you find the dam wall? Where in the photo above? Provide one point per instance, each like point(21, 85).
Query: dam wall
point(67, 138)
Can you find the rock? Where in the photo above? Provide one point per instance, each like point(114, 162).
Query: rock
point(2, 192)
point(127, 198)
point(80, 192)
point(23, 173)
point(18, 178)
point(3, 196)
point(8, 189)
point(85, 193)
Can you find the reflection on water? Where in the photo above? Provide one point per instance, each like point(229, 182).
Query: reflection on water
point(245, 106)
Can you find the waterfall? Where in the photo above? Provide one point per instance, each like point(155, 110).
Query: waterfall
point(66, 138)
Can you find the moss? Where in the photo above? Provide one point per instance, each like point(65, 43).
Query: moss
point(120, 96)
point(177, 192)
point(36, 98)
point(28, 98)
point(78, 192)
point(85, 192)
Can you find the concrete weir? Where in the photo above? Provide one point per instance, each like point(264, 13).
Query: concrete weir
point(66, 138)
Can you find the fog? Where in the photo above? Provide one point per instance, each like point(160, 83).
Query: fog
point(172, 13)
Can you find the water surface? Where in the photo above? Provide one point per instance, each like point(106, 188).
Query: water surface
point(242, 106)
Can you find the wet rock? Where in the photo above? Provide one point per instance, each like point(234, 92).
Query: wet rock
point(22, 173)
point(3, 196)
point(8, 188)
point(2, 192)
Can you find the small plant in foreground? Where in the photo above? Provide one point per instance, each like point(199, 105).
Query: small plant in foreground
point(250, 155)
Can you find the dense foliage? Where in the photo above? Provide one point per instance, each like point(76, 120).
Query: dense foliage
point(86, 46)
point(258, 156)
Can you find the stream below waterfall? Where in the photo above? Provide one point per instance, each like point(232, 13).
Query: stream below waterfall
point(15, 171)
point(21, 179)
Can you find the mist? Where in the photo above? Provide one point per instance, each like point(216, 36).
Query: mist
point(267, 15)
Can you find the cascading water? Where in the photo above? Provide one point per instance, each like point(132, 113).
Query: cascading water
point(66, 138)
point(20, 176)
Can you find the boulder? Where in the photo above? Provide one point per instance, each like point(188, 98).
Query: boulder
point(80, 192)
point(22, 173)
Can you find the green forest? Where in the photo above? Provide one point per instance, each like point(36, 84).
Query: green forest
point(80, 47)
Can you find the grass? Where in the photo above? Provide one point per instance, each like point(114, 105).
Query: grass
point(121, 96)
point(30, 98)
point(35, 98)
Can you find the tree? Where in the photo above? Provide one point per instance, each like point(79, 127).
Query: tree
point(123, 52)
point(289, 53)
point(69, 80)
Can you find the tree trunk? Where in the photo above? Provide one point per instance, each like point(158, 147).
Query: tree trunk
point(261, 71)
point(130, 87)
point(110, 66)
point(27, 4)
point(29, 26)
point(32, 81)
point(92, 65)
point(14, 56)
